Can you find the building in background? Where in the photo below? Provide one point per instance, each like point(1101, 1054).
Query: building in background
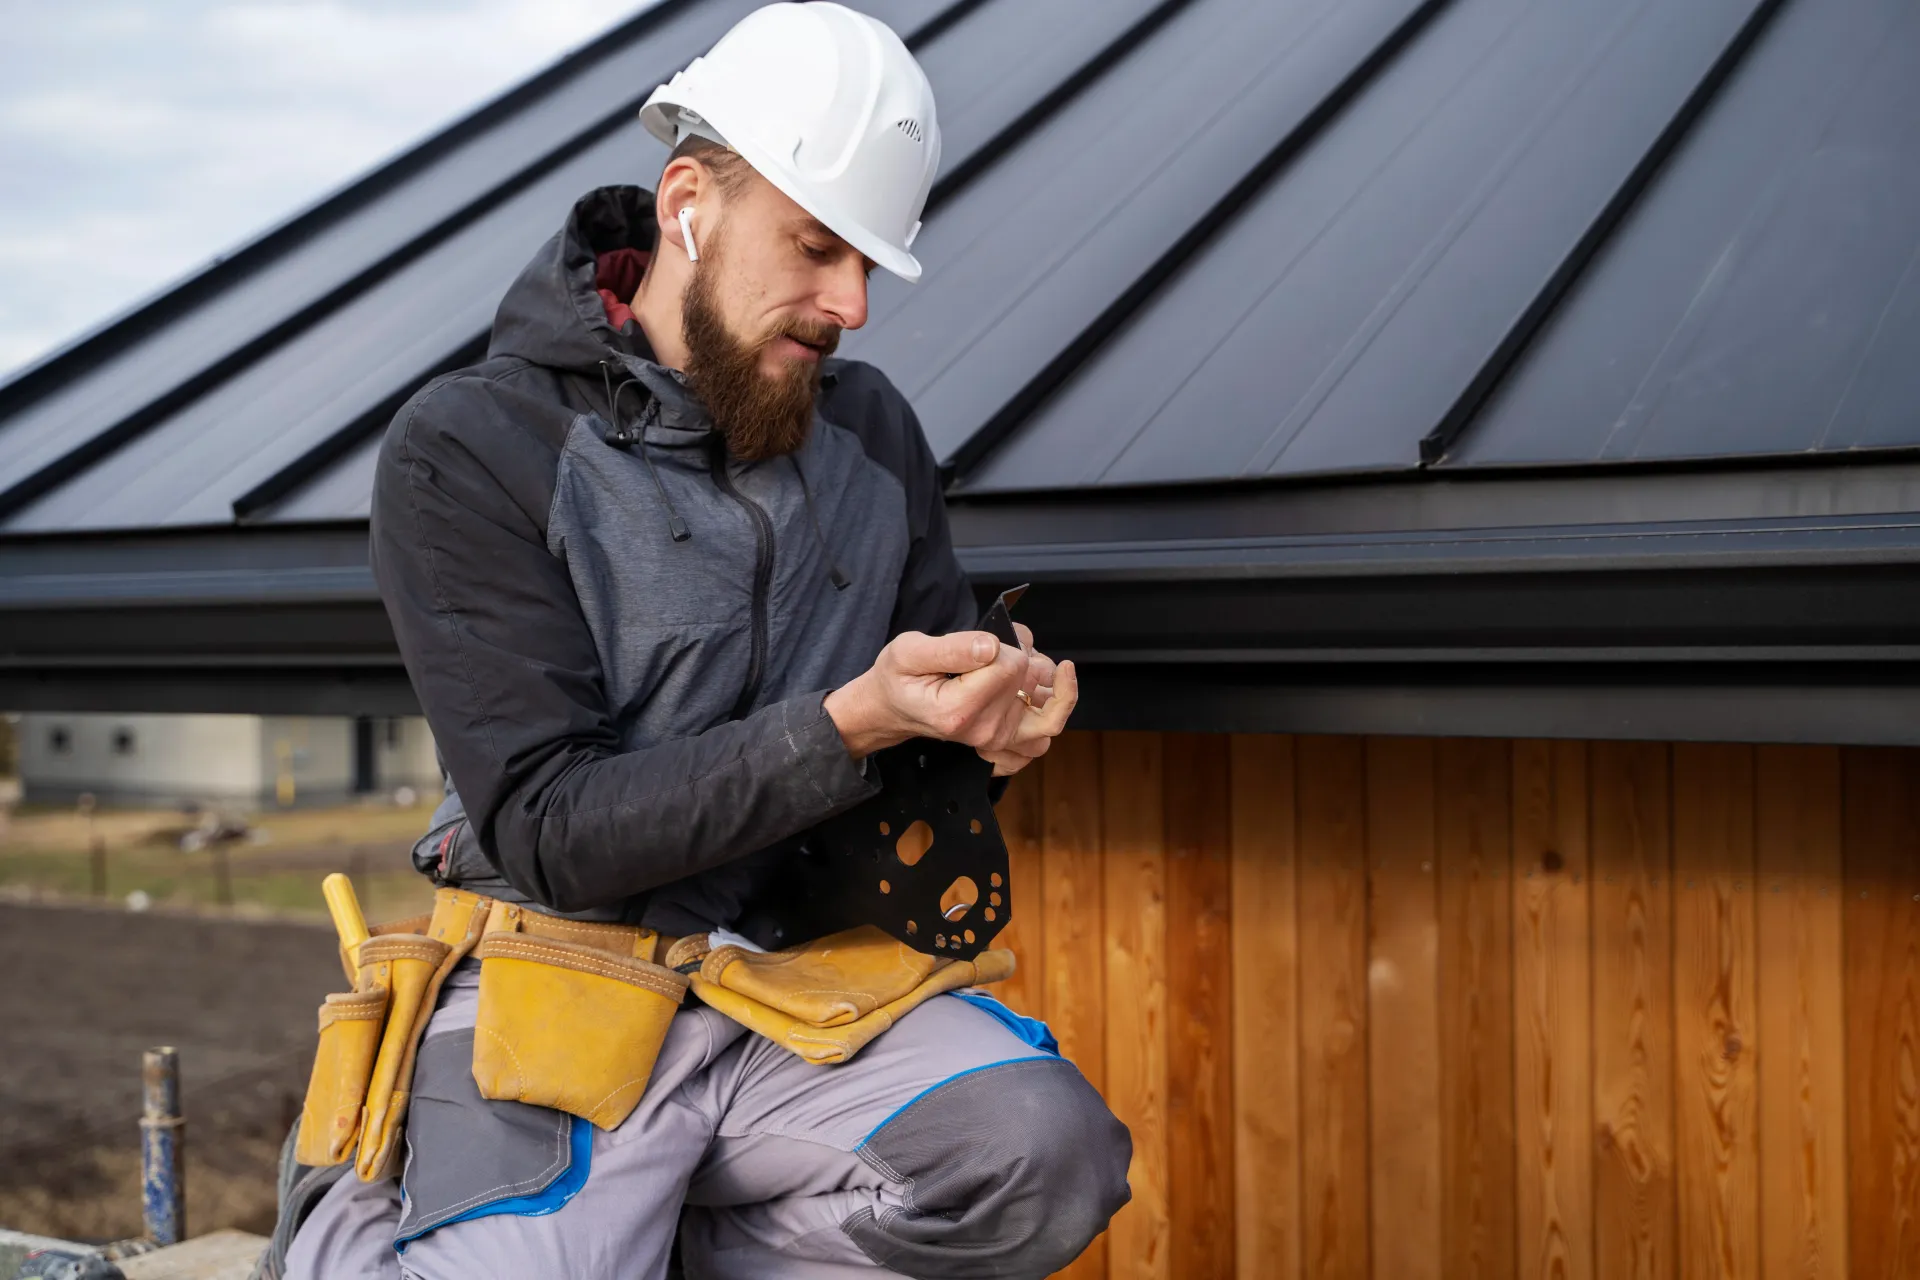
point(224, 761)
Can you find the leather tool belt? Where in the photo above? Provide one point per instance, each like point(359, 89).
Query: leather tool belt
point(572, 1014)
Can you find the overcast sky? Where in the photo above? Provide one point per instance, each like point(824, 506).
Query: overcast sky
point(139, 138)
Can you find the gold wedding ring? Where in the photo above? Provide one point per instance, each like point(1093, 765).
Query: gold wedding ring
point(1025, 697)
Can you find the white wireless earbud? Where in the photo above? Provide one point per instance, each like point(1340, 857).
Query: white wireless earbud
point(686, 233)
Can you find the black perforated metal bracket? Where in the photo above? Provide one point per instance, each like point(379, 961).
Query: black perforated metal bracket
point(925, 860)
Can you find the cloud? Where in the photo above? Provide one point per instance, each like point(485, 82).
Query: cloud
point(139, 138)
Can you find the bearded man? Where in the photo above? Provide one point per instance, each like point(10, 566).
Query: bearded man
point(665, 574)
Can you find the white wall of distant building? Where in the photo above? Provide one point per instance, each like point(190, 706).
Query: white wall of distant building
point(314, 753)
point(164, 759)
point(404, 755)
point(239, 762)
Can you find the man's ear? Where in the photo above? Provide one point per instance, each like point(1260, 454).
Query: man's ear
point(681, 185)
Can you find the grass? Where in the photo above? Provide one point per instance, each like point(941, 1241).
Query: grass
point(64, 827)
point(49, 852)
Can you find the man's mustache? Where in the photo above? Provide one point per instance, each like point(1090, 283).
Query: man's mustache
point(814, 333)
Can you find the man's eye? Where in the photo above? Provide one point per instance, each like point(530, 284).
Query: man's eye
point(817, 252)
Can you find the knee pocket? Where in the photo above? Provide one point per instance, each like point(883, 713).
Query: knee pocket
point(1012, 1170)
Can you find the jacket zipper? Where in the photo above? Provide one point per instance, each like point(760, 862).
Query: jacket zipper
point(762, 577)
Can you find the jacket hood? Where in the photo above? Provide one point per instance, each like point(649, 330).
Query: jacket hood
point(553, 313)
point(568, 310)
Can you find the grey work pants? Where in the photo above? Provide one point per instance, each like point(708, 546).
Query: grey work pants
point(949, 1147)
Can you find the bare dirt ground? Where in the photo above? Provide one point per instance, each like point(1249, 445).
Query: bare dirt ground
point(87, 990)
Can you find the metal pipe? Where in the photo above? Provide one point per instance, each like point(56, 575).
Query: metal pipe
point(162, 1131)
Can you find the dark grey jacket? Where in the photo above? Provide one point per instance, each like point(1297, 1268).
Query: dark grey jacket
point(631, 719)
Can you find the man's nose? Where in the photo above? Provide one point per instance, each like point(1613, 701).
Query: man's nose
point(845, 299)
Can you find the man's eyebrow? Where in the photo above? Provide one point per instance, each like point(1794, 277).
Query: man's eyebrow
point(813, 226)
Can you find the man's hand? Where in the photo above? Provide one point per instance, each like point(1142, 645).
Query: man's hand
point(964, 687)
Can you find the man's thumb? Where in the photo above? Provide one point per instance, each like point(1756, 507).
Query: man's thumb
point(953, 654)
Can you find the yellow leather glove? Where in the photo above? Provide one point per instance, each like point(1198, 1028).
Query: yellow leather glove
point(330, 1118)
point(407, 967)
point(410, 968)
point(825, 1001)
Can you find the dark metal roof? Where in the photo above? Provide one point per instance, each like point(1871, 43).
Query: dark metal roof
point(1400, 298)
point(1764, 297)
point(229, 395)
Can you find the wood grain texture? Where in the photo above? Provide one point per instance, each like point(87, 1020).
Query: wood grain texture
point(1553, 1010)
point(1072, 926)
point(1634, 1206)
point(1200, 1005)
point(1800, 999)
point(1655, 1011)
point(1403, 1009)
point(1882, 849)
point(1021, 822)
point(1716, 1120)
point(1473, 837)
point(1330, 781)
point(1266, 1044)
point(1134, 827)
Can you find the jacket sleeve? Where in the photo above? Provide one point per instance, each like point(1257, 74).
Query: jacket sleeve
point(506, 671)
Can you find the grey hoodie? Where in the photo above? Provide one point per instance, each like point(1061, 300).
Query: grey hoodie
point(621, 636)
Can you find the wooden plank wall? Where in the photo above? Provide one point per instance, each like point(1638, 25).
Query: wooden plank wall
point(1473, 1008)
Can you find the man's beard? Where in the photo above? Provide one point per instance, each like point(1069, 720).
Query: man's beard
point(758, 416)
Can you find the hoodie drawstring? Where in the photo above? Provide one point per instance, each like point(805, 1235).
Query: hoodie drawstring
point(834, 575)
point(626, 437)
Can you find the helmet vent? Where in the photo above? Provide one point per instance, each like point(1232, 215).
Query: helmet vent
point(911, 128)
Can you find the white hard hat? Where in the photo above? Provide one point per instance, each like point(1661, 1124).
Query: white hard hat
point(827, 105)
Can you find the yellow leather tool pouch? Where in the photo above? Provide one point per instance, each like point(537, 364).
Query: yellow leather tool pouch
point(569, 1026)
point(409, 968)
point(412, 924)
point(827, 1000)
point(350, 1025)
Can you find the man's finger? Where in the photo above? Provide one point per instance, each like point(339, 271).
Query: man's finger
point(1025, 633)
point(979, 706)
point(956, 654)
point(1006, 763)
point(996, 678)
point(1065, 696)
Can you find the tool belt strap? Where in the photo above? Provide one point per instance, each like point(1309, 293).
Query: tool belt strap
point(628, 940)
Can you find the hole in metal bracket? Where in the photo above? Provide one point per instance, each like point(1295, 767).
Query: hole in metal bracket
point(959, 898)
point(914, 842)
